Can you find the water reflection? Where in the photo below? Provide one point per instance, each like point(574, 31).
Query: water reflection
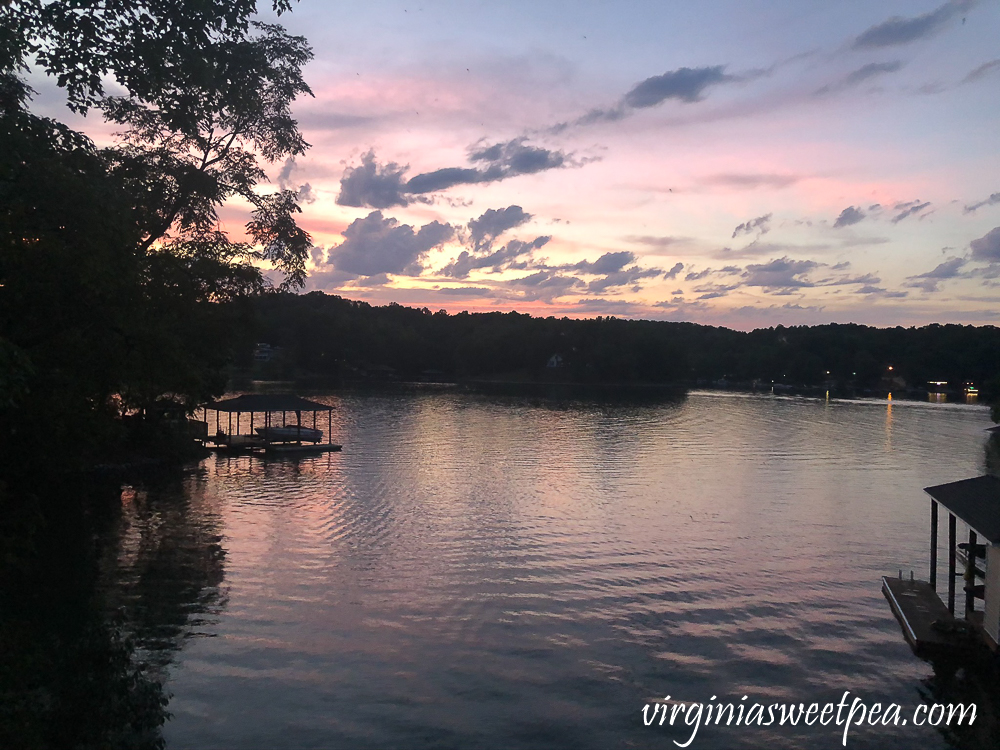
point(888, 424)
point(165, 571)
point(522, 572)
point(954, 685)
point(71, 675)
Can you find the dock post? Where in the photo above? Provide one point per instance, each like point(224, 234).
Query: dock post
point(934, 539)
point(951, 563)
point(970, 575)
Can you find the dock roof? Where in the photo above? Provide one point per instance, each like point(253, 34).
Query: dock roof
point(976, 501)
point(267, 402)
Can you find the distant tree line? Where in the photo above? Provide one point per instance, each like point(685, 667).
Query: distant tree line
point(328, 336)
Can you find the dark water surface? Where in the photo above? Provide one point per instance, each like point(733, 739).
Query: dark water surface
point(476, 572)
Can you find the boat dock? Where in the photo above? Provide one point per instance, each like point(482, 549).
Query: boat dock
point(273, 436)
point(936, 626)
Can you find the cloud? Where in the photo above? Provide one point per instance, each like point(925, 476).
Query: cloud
point(751, 181)
point(500, 161)
point(683, 84)
point(372, 185)
point(686, 85)
point(514, 157)
point(466, 291)
point(466, 262)
point(495, 222)
point(849, 216)
point(285, 175)
point(863, 241)
point(898, 30)
point(982, 71)
point(876, 291)
point(748, 317)
point(376, 245)
point(607, 263)
point(377, 186)
point(624, 277)
point(601, 306)
point(672, 273)
point(612, 268)
point(987, 247)
point(761, 223)
point(908, 209)
point(483, 232)
point(655, 242)
point(757, 249)
point(545, 285)
point(442, 179)
point(871, 70)
point(713, 291)
point(697, 276)
point(867, 278)
point(304, 192)
point(991, 201)
point(948, 270)
point(598, 114)
point(859, 76)
point(782, 273)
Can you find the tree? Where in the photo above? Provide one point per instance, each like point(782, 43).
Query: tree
point(112, 260)
point(112, 268)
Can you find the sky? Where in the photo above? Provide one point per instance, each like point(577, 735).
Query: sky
point(736, 163)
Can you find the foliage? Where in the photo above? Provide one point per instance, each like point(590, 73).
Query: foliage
point(112, 260)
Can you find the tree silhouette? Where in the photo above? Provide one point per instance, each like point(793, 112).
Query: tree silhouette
point(112, 259)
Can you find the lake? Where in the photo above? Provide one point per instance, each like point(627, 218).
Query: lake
point(503, 572)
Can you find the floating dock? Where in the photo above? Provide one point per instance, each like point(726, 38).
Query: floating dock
point(303, 448)
point(928, 626)
point(274, 448)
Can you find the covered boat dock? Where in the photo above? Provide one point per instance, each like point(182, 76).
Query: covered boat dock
point(269, 434)
point(930, 626)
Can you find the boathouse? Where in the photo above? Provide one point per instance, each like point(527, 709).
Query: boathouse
point(275, 424)
point(930, 626)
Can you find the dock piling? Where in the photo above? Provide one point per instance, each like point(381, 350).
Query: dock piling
point(951, 563)
point(934, 543)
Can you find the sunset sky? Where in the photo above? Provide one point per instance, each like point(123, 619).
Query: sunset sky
point(733, 163)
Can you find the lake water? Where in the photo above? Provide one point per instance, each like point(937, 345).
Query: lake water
point(477, 572)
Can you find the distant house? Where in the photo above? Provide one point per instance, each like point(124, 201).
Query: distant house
point(555, 360)
point(264, 352)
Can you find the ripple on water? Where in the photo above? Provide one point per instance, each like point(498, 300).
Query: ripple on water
point(476, 572)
